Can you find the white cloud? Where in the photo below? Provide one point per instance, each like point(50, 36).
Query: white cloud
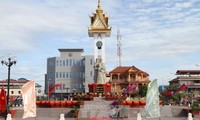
point(183, 5)
point(150, 29)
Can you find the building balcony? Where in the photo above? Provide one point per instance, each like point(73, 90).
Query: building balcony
point(197, 84)
point(119, 81)
point(189, 78)
point(133, 81)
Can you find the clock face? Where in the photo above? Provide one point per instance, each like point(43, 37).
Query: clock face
point(99, 44)
point(70, 54)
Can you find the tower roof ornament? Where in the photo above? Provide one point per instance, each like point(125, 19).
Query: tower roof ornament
point(99, 9)
point(99, 22)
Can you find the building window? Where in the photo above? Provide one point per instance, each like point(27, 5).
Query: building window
point(74, 62)
point(91, 61)
point(19, 92)
point(60, 62)
point(66, 62)
point(77, 63)
point(57, 63)
point(90, 73)
point(51, 63)
point(63, 62)
point(80, 62)
point(66, 74)
point(60, 74)
point(70, 62)
point(12, 92)
point(56, 74)
point(70, 76)
point(63, 74)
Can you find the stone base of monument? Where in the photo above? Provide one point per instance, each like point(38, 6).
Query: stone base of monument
point(99, 89)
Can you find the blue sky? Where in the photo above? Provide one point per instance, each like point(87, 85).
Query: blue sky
point(158, 36)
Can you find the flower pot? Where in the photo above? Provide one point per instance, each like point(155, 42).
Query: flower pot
point(57, 104)
point(52, 104)
point(136, 102)
point(69, 103)
point(38, 103)
point(142, 102)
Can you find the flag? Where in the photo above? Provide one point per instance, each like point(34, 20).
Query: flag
point(52, 88)
point(181, 88)
point(3, 100)
point(171, 92)
point(130, 88)
point(29, 99)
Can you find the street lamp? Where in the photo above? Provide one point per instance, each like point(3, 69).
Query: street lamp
point(11, 61)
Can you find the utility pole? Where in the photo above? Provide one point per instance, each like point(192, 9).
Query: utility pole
point(119, 48)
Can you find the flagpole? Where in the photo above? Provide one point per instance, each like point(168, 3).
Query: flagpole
point(61, 96)
point(48, 90)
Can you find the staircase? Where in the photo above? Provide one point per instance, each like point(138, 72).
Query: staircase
point(96, 108)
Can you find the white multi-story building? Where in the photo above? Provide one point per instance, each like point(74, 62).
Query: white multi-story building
point(71, 69)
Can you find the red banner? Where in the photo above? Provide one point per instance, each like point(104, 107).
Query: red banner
point(52, 88)
point(2, 99)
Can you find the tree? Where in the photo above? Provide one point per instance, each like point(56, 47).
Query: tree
point(143, 90)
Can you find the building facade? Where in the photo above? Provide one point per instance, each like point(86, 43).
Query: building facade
point(189, 77)
point(16, 86)
point(122, 76)
point(71, 69)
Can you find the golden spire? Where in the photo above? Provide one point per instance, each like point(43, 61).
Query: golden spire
point(99, 3)
point(99, 7)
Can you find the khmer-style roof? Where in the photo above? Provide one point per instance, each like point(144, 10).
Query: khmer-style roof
point(128, 69)
point(99, 22)
point(71, 50)
point(188, 72)
point(14, 81)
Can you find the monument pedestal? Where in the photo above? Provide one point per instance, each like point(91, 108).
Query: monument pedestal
point(97, 88)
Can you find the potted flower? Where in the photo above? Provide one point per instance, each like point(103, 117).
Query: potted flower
point(195, 109)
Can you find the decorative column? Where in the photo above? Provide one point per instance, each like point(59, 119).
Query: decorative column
point(95, 48)
point(111, 77)
point(118, 77)
point(103, 47)
point(129, 77)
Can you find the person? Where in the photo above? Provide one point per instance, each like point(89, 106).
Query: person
point(115, 112)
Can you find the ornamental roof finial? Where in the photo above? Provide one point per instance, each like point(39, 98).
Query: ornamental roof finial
point(99, 7)
point(99, 3)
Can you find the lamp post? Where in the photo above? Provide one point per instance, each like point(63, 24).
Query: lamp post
point(11, 61)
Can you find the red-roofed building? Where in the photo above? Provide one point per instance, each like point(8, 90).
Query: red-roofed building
point(191, 78)
point(16, 85)
point(122, 76)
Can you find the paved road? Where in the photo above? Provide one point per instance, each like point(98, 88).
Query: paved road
point(54, 113)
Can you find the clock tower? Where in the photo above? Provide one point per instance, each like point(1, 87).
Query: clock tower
point(99, 30)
